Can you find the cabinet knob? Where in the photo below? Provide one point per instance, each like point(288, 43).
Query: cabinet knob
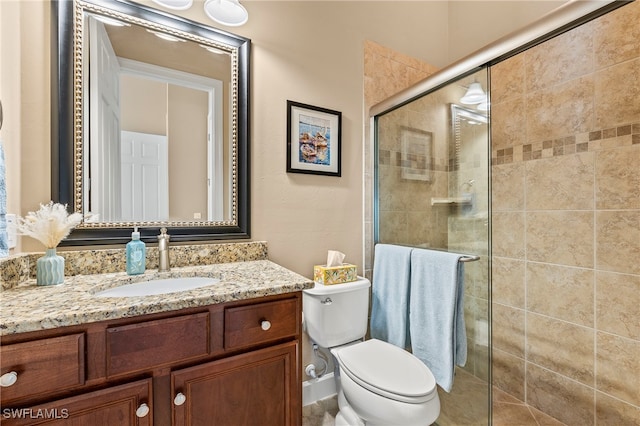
point(179, 399)
point(142, 410)
point(265, 325)
point(8, 379)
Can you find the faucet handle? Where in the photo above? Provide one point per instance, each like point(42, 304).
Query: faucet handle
point(163, 234)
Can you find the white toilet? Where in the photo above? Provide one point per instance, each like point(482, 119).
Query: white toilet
point(378, 383)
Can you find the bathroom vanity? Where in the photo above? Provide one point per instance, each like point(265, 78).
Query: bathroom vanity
point(227, 354)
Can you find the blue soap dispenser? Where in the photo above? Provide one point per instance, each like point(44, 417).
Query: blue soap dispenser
point(136, 254)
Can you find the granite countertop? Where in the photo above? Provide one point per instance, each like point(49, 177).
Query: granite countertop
point(28, 307)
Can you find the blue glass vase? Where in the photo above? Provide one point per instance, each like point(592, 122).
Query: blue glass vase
point(50, 268)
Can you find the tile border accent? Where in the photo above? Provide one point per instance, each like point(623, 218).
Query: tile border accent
point(625, 135)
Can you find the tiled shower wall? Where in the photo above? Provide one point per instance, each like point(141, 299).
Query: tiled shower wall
point(386, 73)
point(566, 223)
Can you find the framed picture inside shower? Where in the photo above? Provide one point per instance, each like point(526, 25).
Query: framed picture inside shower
point(415, 154)
point(313, 139)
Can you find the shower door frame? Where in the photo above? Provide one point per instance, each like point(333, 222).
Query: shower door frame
point(565, 18)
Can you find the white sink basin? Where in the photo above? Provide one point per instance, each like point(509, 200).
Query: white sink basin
point(158, 286)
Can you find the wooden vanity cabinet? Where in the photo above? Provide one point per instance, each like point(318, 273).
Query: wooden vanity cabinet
point(255, 388)
point(126, 404)
point(235, 363)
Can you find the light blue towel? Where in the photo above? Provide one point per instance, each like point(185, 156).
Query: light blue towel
point(436, 313)
point(390, 294)
point(4, 237)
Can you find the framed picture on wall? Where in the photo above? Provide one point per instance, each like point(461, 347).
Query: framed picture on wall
point(313, 140)
point(415, 155)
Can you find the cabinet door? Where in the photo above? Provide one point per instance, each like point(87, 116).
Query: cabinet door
point(114, 406)
point(257, 388)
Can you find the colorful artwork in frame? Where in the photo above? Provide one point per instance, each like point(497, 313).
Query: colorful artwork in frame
point(313, 139)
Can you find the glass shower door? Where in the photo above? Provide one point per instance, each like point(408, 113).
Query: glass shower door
point(432, 191)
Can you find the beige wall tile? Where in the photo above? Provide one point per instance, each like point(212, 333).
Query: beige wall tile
point(560, 111)
point(618, 367)
point(561, 347)
point(560, 397)
point(565, 96)
point(508, 234)
point(618, 241)
point(617, 304)
point(507, 79)
point(560, 183)
point(508, 282)
point(617, 90)
point(544, 419)
point(508, 373)
point(508, 130)
point(616, 35)
point(423, 229)
point(618, 178)
point(508, 329)
point(508, 187)
point(476, 277)
point(512, 414)
point(561, 292)
point(560, 237)
point(611, 411)
point(560, 59)
point(395, 229)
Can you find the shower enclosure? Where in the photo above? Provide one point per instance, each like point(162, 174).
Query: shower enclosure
point(432, 191)
point(544, 191)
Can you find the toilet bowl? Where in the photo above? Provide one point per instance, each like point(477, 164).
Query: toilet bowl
point(386, 385)
point(378, 383)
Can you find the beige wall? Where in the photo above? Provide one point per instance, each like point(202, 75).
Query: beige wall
point(566, 223)
point(476, 23)
point(187, 125)
point(316, 58)
point(143, 105)
point(24, 89)
point(300, 216)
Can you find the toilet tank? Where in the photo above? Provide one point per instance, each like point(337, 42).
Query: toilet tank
point(336, 314)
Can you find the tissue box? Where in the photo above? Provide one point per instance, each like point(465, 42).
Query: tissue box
point(335, 274)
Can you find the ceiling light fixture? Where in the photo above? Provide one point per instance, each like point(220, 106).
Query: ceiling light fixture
point(174, 4)
point(226, 12)
point(474, 95)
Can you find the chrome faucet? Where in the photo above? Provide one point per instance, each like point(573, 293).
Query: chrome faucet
point(163, 251)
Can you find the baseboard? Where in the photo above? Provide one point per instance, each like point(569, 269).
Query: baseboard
point(316, 389)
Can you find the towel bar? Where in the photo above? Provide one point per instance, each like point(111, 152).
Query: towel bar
point(469, 258)
point(463, 258)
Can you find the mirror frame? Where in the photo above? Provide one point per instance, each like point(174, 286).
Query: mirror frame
point(66, 134)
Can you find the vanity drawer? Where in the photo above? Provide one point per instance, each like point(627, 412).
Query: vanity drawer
point(259, 323)
point(149, 344)
point(43, 366)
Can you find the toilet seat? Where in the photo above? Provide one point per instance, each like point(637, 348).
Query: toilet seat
point(387, 370)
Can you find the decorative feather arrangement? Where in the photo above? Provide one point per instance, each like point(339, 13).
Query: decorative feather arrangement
point(49, 225)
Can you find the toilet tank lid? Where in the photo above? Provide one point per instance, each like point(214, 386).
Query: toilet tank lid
point(321, 289)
